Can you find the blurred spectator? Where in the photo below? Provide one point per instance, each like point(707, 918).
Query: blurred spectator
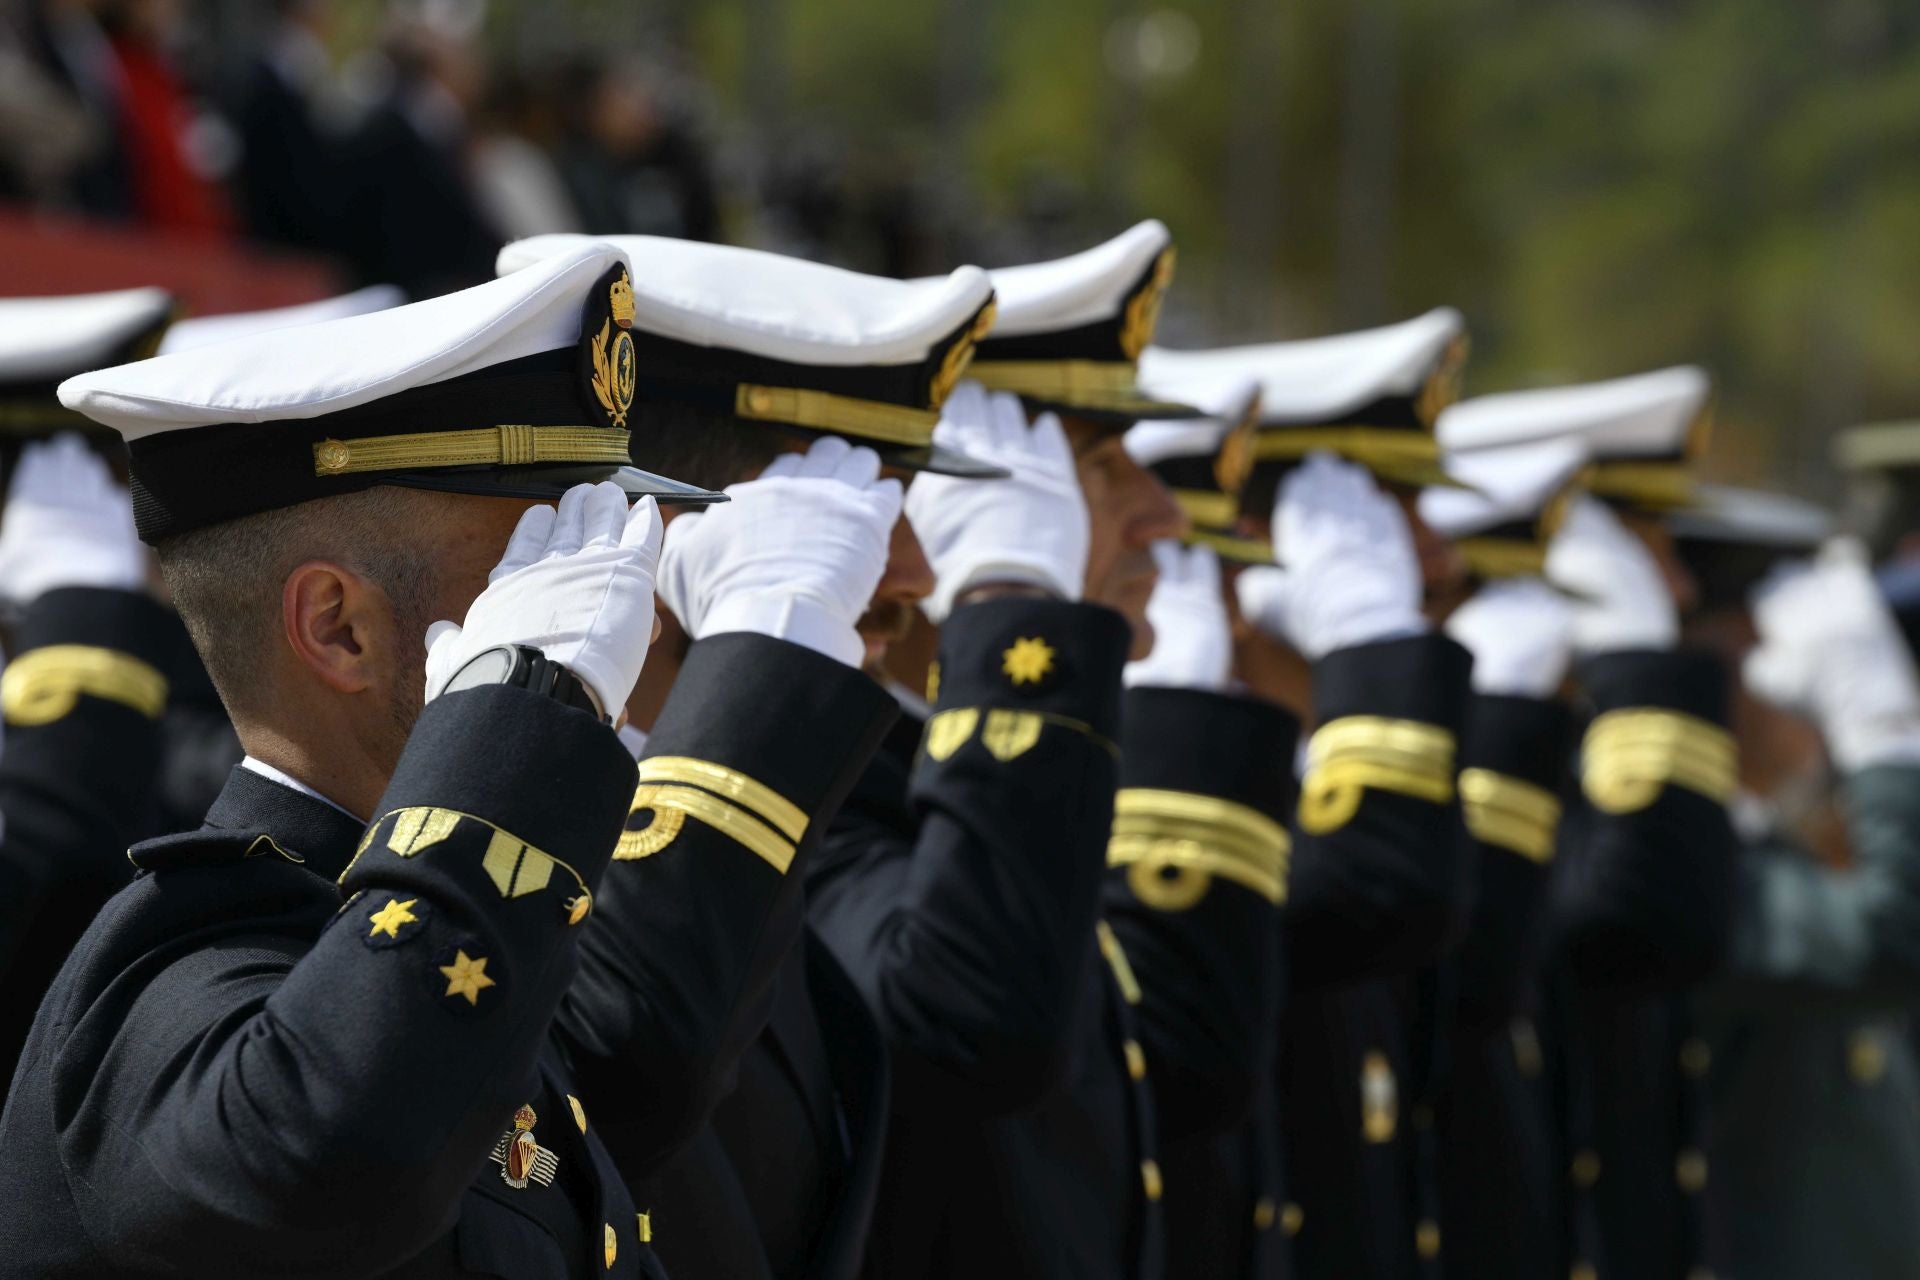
point(519, 184)
point(172, 187)
point(60, 96)
point(290, 183)
point(630, 166)
point(413, 215)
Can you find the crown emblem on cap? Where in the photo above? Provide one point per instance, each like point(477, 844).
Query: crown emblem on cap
point(959, 356)
point(1143, 309)
point(1234, 463)
point(1443, 384)
point(620, 301)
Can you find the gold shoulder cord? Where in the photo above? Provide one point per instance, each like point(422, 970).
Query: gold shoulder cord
point(1351, 755)
point(1514, 815)
point(1175, 842)
point(43, 685)
point(1628, 757)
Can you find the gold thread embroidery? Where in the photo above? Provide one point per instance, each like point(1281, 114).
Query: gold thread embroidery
point(43, 685)
point(507, 445)
point(419, 829)
point(1354, 754)
point(1163, 883)
point(467, 976)
point(1008, 735)
point(1629, 757)
point(948, 731)
point(756, 797)
point(1028, 660)
point(733, 822)
point(391, 917)
point(1143, 309)
point(1116, 956)
point(1510, 813)
point(660, 832)
point(845, 415)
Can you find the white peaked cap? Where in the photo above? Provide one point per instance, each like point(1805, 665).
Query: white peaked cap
point(1317, 379)
point(48, 338)
point(290, 374)
point(771, 305)
point(1507, 484)
point(1226, 402)
point(1752, 517)
point(1083, 288)
point(202, 331)
point(1647, 415)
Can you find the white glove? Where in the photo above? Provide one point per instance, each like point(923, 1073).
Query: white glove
point(1192, 635)
point(1520, 633)
point(1352, 575)
point(67, 524)
point(1623, 600)
point(1829, 646)
point(576, 583)
point(796, 554)
point(1030, 527)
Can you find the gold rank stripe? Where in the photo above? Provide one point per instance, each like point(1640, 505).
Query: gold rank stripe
point(43, 685)
point(1629, 756)
point(1200, 833)
point(1508, 812)
point(845, 415)
point(516, 868)
point(1499, 558)
point(505, 446)
point(671, 798)
point(1354, 754)
point(749, 793)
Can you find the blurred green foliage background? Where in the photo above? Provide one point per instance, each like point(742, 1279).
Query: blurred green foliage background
point(1603, 186)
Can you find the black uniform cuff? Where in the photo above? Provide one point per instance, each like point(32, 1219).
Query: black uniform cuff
point(1421, 678)
point(1689, 682)
point(1525, 738)
point(1238, 749)
point(1053, 657)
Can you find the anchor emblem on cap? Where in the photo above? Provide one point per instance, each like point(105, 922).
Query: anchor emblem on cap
point(520, 1157)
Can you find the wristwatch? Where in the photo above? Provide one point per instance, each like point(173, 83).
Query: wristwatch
point(521, 666)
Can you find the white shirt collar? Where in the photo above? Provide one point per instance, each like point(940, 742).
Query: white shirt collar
point(272, 774)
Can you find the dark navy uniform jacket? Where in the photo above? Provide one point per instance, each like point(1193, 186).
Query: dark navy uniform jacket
point(961, 891)
point(92, 675)
point(246, 1069)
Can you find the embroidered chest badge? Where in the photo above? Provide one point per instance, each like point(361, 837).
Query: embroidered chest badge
point(520, 1157)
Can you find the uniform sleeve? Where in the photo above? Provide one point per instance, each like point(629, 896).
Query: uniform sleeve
point(247, 1092)
point(1379, 882)
point(1836, 934)
point(973, 938)
point(83, 699)
point(1513, 769)
point(756, 747)
point(1197, 870)
point(1643, 882)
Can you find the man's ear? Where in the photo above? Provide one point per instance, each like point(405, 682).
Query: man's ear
point(337, 624)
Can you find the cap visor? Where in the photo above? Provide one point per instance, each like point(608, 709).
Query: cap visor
point(549, 482)
point(1118, 410)
point(937, 459)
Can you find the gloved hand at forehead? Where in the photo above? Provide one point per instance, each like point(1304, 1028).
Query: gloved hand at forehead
point(1030, 527)
point(795, 554)
point(575, 582)
point(1192, 634)
point(1830, 647)
point(1621, 601)
point(68, 523)
point(1520, 633)
point(1352, 575)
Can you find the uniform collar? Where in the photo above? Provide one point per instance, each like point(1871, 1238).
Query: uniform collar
point(297, 819)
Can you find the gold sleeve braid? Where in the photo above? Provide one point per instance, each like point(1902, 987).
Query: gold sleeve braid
point(1175, 842)
point(675, 788)
point(1505, 811)
point(1628, 757)
point(43, 685)
point(1354, 754)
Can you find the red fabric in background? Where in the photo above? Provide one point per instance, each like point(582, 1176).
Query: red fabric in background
point(154, 117)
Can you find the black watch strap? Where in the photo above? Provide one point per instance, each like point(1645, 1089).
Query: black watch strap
point(533, 671)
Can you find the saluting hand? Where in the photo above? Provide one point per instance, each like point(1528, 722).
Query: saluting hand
point(795, 554)
point(1520, 633)
point(1624, 603)
point(1351, 575)
point(1030, 527)
point(68, 523)
point(1192, 635)
point(576, 583)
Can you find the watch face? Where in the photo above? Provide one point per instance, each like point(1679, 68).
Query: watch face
point(491, 667)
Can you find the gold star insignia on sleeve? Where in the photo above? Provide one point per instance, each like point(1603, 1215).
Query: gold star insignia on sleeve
point(467, 977)
point(389, 918)
point(1028, 660)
